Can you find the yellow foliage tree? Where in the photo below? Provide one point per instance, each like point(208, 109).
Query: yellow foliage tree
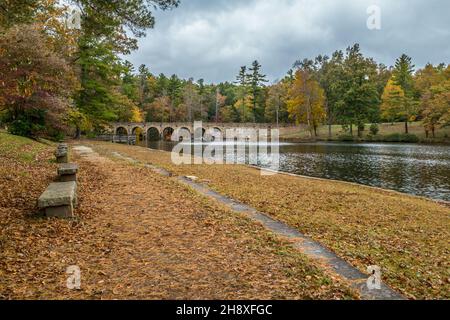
point(244, 108)
point(306, 101)
point(137, 114)
point(396, 105)
point(392, 100)
point(436, 104)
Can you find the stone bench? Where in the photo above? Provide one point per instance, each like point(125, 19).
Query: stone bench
point(59, 199)
point(67, 172)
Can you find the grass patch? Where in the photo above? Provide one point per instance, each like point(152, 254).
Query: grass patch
point(394, 137)
point(21, 148)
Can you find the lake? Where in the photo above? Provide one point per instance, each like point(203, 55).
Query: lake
point(422, 170)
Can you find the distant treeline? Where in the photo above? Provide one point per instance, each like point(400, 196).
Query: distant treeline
point(57, 79)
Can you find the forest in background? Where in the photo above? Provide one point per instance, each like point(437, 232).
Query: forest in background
point(57, 79)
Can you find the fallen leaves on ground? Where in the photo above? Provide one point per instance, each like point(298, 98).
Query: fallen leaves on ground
point(408, 237)
point(139, 235)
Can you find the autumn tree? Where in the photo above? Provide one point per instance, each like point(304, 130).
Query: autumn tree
point(392, 101)
point(445, 119)
point(244, 108)
point(159, 110)
point(306, 101)
point(436, 107)
point(191, 102)
point(220, 102)
point(433, 83)
point(276, 107)
point(43, 21)
point(428, 76)
point(36, 83)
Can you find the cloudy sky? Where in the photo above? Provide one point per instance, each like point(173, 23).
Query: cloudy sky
point(211, 39)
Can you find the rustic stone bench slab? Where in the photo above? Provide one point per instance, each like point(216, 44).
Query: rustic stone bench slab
point(59, 199)
point(67, 172)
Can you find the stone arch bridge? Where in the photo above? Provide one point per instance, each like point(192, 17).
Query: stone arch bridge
point(163, 131)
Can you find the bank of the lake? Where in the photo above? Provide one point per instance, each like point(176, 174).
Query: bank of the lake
point(405, 235)
point(387, 132)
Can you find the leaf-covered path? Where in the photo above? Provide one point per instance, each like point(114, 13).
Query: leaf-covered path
point(144, 236)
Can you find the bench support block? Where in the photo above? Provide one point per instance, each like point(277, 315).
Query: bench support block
point(62, 159)
point(68, 178)
point(59, 212)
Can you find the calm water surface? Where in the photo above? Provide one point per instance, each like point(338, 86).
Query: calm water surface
point(415, 169)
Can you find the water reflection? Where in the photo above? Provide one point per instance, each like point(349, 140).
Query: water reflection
point(416, 169)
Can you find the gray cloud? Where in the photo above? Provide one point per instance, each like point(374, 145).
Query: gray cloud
point(212, 39)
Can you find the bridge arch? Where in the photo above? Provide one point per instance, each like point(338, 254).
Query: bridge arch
point(167, 133)
point(139, 133)
point(153, 134)
point(121, 131)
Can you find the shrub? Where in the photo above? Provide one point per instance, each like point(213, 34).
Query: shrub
point(374, 129)
point(28, 124)
point(397, 137)
point(412, 138)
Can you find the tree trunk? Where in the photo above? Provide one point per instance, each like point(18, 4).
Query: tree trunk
point(406, 127)
point(351, 129)
point(78, 133)
point(329, 120)
point(433, 129)
point(310, 124)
